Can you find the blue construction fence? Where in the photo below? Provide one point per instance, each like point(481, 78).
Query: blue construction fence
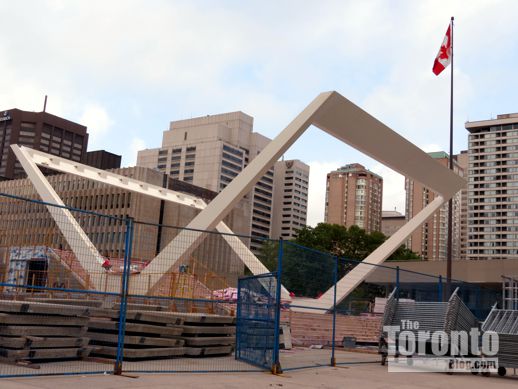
point(145, 297)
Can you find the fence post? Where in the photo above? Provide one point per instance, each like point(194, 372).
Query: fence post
point(335, 280)
point(439, 288)
point(117, 370)
point(397, 282)
point(276, 366)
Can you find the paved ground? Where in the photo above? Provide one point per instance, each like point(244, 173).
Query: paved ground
point(356, 376)
point(295, 358)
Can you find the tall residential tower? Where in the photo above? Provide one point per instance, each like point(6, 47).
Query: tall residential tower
point(493, 188)
point(353, 197)
point(430, 240)
point(290, 201)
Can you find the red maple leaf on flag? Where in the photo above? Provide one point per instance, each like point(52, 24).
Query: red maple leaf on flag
point(443, 58)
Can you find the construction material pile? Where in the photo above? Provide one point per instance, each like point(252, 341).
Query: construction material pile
point(148, 335)
point(206, 334)
point(31, 331)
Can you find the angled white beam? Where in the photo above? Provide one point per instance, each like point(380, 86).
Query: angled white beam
point(35, 157)
point(362, 270)
point(80, 244)
point(341, 118)
point(75, 168)
point(187, 241)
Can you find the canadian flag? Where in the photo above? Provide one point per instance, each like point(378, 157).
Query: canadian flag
point(443, 58)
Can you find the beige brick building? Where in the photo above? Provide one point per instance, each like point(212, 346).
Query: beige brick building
point(430, 240)
point(290, 199)
point(209, 152)
point(353, 197)
point(157, 222)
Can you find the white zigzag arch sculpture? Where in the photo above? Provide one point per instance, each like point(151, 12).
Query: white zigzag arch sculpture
point(337, 116)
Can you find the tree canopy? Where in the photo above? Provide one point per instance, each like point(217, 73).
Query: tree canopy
point(308, 261)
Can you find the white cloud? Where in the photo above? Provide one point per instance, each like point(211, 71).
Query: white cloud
point(98, 121)
point(393, 188)
point(431, 147)
point(136, 145)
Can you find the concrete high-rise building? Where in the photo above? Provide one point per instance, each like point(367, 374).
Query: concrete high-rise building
point(353, 197)
point(493, 188)
point(209, 152)
point(290, 198)
point(463, 162)
point(430, 240)
point(40, 131)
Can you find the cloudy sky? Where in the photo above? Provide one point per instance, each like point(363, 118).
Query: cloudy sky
point(127, 68)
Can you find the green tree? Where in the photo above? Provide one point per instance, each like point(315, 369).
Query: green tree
point(269, 254)
point(308, 261)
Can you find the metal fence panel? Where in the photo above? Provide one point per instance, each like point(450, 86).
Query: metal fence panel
point(257, 320)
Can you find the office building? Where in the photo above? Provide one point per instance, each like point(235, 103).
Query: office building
point(209, 152)
point(40, 131)
point(290, 198)
point(430, 240)
point(493, 188)
point(353, 197)
point(102, 159)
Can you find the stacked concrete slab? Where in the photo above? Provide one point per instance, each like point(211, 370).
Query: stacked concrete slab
point(206, 334)
point(152, 330)
point(148, 335)
point(31, 331)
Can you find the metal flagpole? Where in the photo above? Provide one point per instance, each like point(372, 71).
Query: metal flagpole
point(450, 203)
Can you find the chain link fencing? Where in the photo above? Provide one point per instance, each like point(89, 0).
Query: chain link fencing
point(88, 293)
